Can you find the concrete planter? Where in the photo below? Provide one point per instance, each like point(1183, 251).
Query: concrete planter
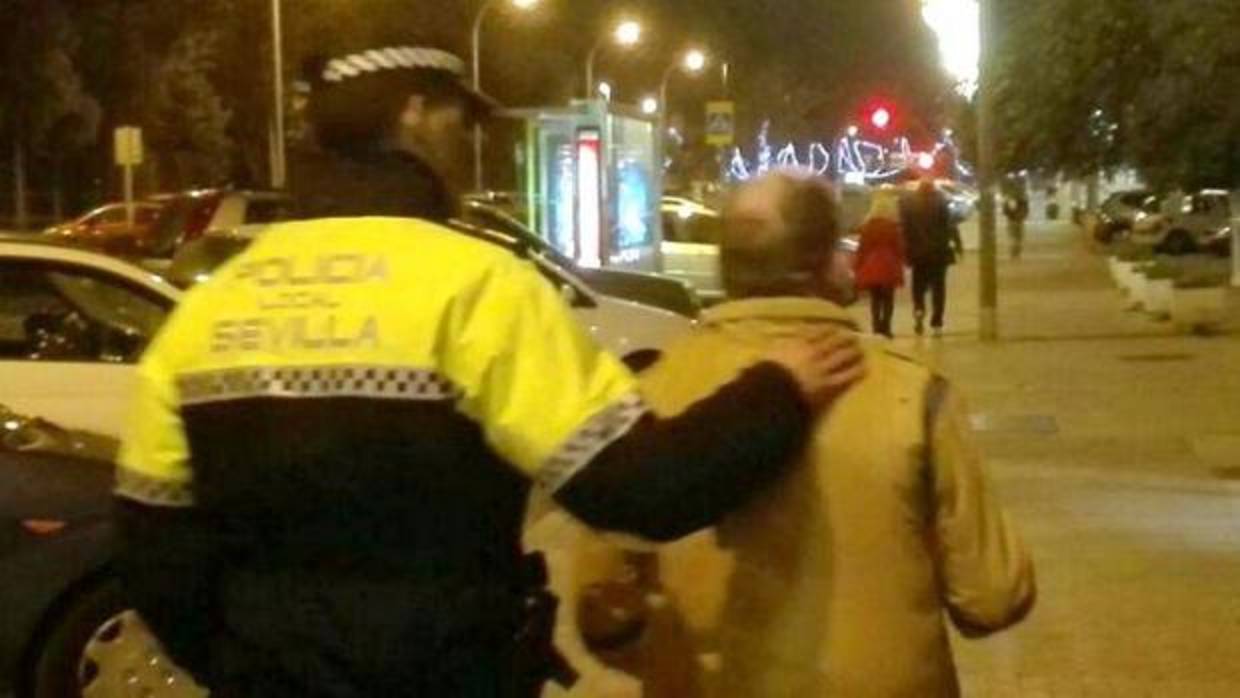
point(1158, 294)
point(1134, 291)
point(1198, 308)
point(1125, 274)
point(1118, 269)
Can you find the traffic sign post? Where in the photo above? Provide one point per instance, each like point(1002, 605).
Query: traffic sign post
point(127, 145)
point(720, 123)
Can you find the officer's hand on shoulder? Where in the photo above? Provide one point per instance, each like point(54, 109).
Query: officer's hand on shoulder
point(824, 366)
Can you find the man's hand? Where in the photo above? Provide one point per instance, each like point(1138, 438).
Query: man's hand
point(825, 365)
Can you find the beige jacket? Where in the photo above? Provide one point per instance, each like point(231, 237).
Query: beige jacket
point(838, 581)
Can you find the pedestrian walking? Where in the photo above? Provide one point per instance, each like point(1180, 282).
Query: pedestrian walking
point(324, 484)
point(840, 579)
point(933, 244)
point(1016, 211)
point(879, 265)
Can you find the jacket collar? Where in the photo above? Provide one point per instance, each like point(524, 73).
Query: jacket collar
point(788, 309)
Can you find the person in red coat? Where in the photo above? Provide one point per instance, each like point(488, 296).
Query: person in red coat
point(880, 259)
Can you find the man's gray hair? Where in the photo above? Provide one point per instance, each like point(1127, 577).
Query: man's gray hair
point(782, 247)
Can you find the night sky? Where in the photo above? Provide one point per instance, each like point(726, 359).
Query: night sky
point(808, 65)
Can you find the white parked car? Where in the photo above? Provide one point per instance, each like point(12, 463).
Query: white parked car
point(73, 323)
point(690, 250)
point(1200, 221)
point(692, 232)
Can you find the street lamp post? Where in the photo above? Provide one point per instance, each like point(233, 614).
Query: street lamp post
point(279, 167)
point(988, 300)
point(627, 33)
point(966, 37)
point(476, 44)
point(693, 62)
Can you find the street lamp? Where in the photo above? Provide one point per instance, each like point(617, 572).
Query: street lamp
point(650, 106)
point(966, 35)
point(483, 11)
point(627, 33)
point(693, 62)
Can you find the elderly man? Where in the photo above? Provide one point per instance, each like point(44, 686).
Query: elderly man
point(837, 581)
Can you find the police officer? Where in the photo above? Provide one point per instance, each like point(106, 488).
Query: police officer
point(322, 490)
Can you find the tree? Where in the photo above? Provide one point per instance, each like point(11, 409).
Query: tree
point(150, 63)
point(1086, 86)
point(188, 123)
point(45, 108)
point(1185, 121)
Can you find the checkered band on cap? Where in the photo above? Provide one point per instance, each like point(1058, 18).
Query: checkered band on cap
point(590, 440)
point(381, 382)
point(392, 58)
point(148, 490)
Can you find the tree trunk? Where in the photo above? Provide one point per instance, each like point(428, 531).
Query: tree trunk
point(21, 215)
point(58, 190)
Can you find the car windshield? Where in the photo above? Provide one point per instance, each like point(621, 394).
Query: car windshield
point(112, 306)
point(494, 219)
point(196, 261)
point(178, 215)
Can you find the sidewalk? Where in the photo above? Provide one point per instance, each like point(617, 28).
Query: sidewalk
point(1116, 445)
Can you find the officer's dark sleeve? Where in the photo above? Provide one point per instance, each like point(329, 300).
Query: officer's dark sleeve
point(164, 545)
point(571, 416)
point(666, 478)
point(165, 557)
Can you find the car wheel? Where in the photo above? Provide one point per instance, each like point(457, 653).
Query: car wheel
point(98, 648)
point(1179, 242)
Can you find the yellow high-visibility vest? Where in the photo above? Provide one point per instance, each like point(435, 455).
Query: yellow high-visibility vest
point(380, 308)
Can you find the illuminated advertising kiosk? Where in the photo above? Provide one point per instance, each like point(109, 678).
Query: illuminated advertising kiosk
point(591, 180)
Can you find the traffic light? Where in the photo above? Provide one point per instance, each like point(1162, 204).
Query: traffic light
point(880, 117)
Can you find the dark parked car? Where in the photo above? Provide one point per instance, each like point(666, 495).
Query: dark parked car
point(187, 216)
point(98, 229)
point(66, 630)
point(1119, 211)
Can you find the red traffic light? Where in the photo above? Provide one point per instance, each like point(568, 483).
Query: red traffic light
point(880, 118)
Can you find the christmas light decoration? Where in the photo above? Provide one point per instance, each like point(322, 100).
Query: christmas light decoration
point(851, 158)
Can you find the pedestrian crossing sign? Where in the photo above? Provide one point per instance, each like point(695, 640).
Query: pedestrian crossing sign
point(720, 123)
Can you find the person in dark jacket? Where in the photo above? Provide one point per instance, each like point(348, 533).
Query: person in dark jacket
point(322, 489)
point(934, 244)
point(1016, 210)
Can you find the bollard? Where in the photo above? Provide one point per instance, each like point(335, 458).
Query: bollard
point(1235, 239)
